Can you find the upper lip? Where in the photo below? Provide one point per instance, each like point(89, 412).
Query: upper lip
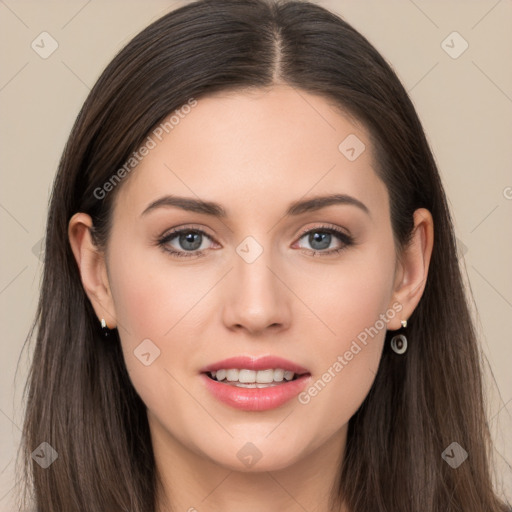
point(255, 363)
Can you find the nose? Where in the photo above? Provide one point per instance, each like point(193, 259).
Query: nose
point(255, 298)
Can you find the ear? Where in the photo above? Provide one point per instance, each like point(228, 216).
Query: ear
point(412, 267)
point(92, 265)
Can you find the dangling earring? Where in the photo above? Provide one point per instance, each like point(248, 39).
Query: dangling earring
point(399, 342)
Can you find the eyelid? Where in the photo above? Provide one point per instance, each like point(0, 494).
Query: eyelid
point(185, 227)
point(325, 226)
point(171, 233)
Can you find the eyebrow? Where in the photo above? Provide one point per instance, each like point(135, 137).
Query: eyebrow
point(216, 210)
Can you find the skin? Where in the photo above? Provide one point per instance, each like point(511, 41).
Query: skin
point(254, 153)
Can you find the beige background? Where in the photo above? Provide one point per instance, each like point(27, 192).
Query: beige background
point(465, 105)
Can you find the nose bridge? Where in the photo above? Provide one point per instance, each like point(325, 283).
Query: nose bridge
point(257, 299)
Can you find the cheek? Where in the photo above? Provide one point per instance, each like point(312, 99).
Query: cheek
point(153, 301)
point(354, 304)
point(349, 296)
point(152, 294)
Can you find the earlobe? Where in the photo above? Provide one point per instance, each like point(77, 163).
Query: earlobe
point(92, 265)
point(413, 266)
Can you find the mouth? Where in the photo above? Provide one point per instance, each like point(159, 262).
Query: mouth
point(254, 384)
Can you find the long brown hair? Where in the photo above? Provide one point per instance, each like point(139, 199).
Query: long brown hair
point(80, 398)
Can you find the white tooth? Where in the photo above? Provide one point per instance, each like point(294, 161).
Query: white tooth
point(278, 375)
point(232, 375)
point(265, 376)
point(247, 376)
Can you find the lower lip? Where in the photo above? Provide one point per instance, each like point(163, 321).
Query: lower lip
point(256, 399)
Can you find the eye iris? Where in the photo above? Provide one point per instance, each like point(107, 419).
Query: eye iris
point(324, 239)
point(190, 241)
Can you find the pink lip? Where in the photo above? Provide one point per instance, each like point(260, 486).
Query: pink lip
point(251, 363)
point(256, 399)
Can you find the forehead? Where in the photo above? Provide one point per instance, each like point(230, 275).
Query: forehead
point(258, 149)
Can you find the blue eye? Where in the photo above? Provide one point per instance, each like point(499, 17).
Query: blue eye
point(321, 238)
point(188, 242)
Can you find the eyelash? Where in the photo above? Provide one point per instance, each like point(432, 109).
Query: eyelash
point(343, 237)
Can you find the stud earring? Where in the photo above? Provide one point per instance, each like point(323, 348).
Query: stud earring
point(399, 342)
point(104, 328)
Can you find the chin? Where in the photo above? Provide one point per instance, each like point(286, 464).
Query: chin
point(255, 457)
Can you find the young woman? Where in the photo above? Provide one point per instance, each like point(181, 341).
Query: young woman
point(251, 296)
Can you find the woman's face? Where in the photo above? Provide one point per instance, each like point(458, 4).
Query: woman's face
point(248, 283)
